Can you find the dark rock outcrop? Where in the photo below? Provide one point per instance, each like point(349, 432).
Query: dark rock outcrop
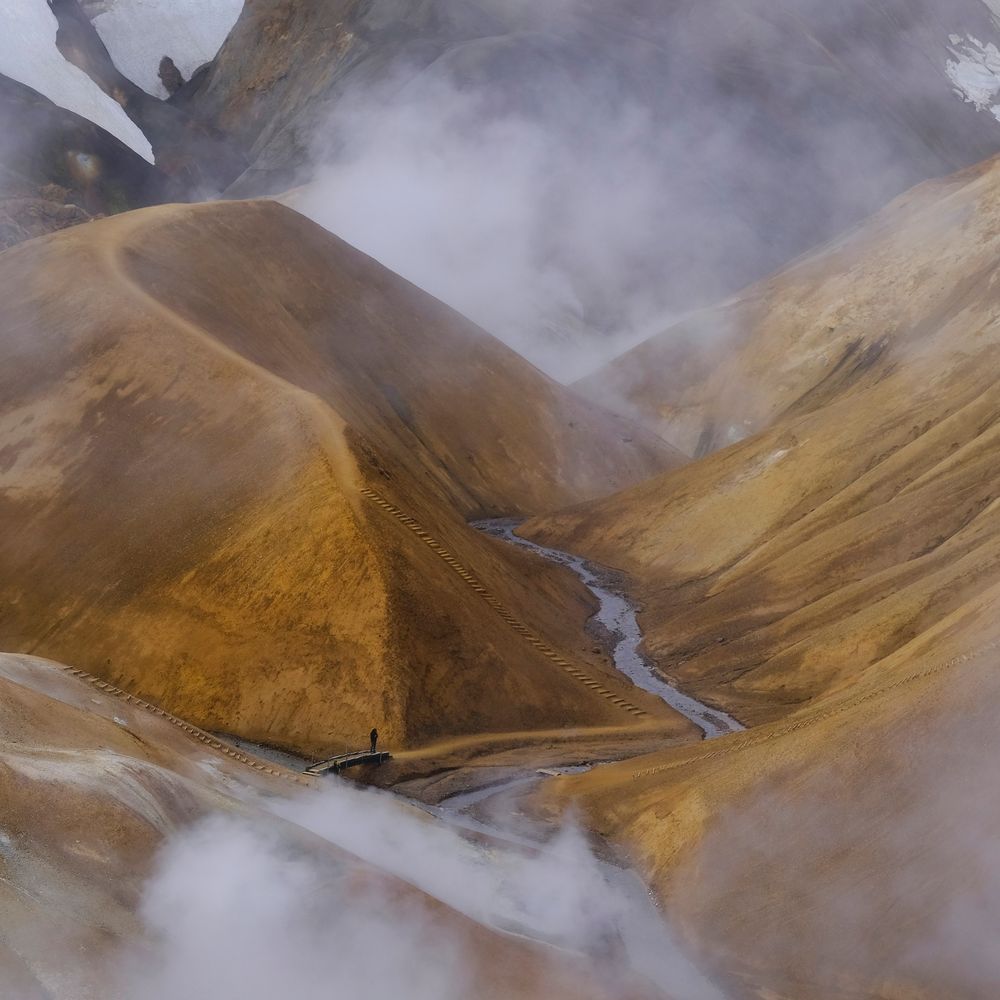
point(57, 168)
point(25, 218)
point(170, 76)
point(193, 155)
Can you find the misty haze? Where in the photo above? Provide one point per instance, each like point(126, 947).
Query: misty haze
point(499, 499)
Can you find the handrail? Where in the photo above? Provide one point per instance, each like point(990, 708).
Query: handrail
point(345, 760)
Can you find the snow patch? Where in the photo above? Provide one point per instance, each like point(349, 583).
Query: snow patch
point(974, 72)
point(138, 33)
point(29, 55)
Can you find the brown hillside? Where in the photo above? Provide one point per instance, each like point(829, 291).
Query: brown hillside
point(830, 322)
point(194, 399)
point(792, 562)
point(845, 851)
point(92, 788)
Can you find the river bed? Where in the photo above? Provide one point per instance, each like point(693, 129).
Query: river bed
point(617, 616)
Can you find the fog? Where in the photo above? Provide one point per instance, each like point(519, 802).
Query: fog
point(248, 910)
point(237, 913)
point(875, 872)
point(488, 214)
point(575, 188)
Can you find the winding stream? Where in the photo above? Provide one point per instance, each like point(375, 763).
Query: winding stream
point(618, 616)
point(525, 880)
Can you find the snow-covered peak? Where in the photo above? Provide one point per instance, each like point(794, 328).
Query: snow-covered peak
point(138, 33)
point(29, 55)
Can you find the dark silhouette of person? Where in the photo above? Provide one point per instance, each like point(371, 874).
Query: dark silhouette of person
point(373, 735)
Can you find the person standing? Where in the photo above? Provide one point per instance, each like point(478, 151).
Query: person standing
point(373, 736)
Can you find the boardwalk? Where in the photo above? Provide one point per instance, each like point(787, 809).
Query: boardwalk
point(346, 760)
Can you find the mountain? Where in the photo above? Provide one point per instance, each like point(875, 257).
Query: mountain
point(665, 155)
point(239, 459)
point(566, 175)
point(29, 53)
point(832, 579)
point(57, 169)
point(138, 35)
point(284, 67)
point(139, 856)
point(192, 155)
point(863, 511)
point(69, 150)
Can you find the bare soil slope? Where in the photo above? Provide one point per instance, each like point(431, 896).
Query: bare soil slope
point(866, 511)
point(845, 851)
point(237, 459)
point(832, 321)
point(93, 788)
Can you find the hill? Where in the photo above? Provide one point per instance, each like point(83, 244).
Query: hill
point(832, 579)
point(141, 858)
point(239, 458)
point(863, 512)
point(831, 321)
point(843, 851)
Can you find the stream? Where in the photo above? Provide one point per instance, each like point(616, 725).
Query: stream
point(633, 919)
point(617, 615)
point(492, 863)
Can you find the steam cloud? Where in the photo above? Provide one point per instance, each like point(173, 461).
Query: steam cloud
point(876, 874)
point(532, 239)
point(573, 203)
point(236, 914)
point(238, 911)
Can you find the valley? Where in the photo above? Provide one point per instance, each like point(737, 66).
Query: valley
point(589, 408)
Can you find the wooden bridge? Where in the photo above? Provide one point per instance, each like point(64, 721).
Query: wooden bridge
point(346, 760)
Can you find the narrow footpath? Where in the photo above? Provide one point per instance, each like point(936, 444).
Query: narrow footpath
point(471, 580)
point(616, 614)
